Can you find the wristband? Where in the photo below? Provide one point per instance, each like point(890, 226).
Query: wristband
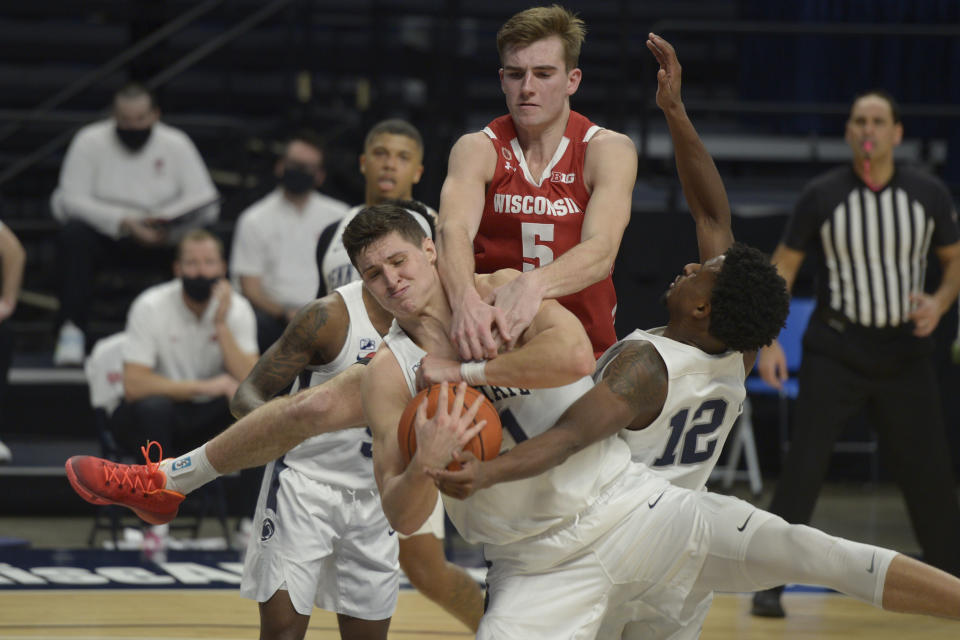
point(473, 372)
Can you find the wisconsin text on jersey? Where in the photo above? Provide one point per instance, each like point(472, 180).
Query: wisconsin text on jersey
point(539, 205)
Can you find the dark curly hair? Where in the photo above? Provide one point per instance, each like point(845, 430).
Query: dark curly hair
point(749, 302)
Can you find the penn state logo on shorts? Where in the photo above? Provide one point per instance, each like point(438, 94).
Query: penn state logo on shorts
point(267, 530)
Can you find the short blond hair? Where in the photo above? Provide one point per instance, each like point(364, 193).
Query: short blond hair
point(537, 23)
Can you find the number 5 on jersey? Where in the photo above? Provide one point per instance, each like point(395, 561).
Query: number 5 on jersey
point(536, 254)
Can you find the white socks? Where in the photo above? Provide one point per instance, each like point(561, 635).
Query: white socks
point(188, 472)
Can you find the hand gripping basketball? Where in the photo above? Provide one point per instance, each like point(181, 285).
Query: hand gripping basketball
point(484, 444)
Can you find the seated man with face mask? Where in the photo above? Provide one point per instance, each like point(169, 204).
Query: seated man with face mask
point(190, 341)
point(275, 241)
point(130, 187)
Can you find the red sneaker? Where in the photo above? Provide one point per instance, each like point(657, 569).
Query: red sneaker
point(138, 486)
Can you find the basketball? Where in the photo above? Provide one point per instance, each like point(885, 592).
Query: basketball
point(485, 445)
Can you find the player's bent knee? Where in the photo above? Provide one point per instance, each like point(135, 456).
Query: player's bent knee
point(423, 561)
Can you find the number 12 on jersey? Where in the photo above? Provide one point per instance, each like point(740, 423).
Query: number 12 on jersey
point(706, 419)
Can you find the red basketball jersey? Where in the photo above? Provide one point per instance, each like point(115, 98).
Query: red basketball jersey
point(529, 221)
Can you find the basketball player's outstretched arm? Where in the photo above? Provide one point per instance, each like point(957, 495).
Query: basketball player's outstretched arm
point(267, 428)
point(702, 187)
point(469, 170)
point(315, 335)
point(632, 393)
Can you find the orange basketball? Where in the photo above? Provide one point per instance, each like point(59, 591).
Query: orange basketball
point(485, 445)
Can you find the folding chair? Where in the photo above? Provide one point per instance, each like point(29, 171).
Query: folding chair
point(104, 372)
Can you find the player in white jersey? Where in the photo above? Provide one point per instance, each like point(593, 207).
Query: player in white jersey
point(705, 395)
point(321, 537)
point(393, 150)
point(340, 460)
point(541, 532)
point(391, 164)
point(721, 311)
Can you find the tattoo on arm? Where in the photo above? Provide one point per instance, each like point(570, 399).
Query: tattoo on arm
point(287, 357)
point(639, 376)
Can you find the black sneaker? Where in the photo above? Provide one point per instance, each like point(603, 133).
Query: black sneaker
point(766, 604)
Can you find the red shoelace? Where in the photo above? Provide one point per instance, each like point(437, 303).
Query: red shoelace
point(139, 477)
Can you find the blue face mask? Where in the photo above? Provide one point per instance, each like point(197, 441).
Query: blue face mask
point(198, 288)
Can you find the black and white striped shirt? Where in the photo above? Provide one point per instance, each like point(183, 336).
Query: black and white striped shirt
point(871, 247)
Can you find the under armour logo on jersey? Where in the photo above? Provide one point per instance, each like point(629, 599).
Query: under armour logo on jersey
point(565, 178)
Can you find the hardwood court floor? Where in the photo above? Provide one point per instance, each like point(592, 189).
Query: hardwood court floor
point(162, 615)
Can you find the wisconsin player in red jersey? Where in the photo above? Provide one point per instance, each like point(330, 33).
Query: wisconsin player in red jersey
point(542, 190)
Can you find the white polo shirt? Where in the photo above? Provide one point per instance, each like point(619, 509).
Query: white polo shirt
point(165, 335)
point(277, 242)
point(102, 182)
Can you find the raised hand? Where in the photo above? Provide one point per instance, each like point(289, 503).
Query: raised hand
point(668, 77)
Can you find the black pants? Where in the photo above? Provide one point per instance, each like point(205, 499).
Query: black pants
point(179, 427)
point(82, 250)
point(904, 408)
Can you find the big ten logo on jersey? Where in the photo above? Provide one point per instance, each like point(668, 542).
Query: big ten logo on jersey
point(368, 347)
point(537, 205)
point(565, 178)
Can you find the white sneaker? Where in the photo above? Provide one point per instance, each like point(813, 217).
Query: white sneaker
point(5, 454)
point(70, 349)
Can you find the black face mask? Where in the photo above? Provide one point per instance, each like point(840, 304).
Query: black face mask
point(134, 139)
point(296, 181)
point(199, 288)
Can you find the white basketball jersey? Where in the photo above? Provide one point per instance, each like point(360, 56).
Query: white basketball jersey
point(513, 511)
point(704, 397)
point(342, 458)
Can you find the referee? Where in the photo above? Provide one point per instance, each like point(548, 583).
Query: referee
point(869, 228)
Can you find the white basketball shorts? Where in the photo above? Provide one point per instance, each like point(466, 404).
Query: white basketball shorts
point(326, 546)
